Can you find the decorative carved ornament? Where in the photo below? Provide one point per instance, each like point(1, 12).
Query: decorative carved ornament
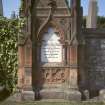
point(49, 22)
point(52, 76)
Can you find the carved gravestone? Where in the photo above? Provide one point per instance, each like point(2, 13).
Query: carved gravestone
point(49, 56)
point(51, 49)
point(54, 73)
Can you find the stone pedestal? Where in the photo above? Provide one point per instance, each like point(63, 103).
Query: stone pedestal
point(24, 86)
point(53, 93)
point(102, 95)
point(73, 91)
point(15, 97)
point(19, 96)
point(73, 95)
point(66, 94)
point(28, 96)
point(73, 76)
point(52, 63)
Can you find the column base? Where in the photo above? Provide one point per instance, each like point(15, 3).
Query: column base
point(15, 97)
point(102, 95)
point(19, 96)
point(28, 96)
point(51, 94)
point(72, 95)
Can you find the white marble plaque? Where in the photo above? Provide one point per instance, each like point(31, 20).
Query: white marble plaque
point(51, 49)
point(51, 53)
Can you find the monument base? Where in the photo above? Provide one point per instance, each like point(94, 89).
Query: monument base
point(28, 96)
point(22, 96)
point(102, 95)
point(15, 97)
point(72, 94)
point(52, 94)
point(46, 94)
point(60, 94)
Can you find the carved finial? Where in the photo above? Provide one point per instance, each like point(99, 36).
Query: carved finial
point(52, 4)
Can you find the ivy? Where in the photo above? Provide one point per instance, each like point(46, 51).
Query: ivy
point(9, 29)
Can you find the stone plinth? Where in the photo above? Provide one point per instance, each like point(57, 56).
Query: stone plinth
point(102, 95)
point(28, 96)
point(73, 95)
point(67, 94)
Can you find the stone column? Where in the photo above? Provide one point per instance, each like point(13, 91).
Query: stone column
point(20, 73)
point(73, 77)
point(75, 33)
point(21, 67)
point(28, 65)
point(73, 91)
point(92, 14)
point(28, 93)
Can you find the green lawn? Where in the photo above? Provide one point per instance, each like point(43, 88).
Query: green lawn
point(52, 103)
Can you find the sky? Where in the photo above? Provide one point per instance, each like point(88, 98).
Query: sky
point(9, 6)
point(101, 7)
point(13, 5)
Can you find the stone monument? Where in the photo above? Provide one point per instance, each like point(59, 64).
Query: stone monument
point(92, 14)
point(48, 65)
point(57, 57)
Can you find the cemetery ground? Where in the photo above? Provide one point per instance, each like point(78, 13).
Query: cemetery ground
point(51, 103)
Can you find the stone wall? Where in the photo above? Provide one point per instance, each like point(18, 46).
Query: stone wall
point(95, 58)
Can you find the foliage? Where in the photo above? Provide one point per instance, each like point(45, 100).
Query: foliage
point(100, 22)
point(9, 29)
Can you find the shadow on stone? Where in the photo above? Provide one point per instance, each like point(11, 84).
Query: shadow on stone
point(85, 95)
point(94, 93)
point(4, 94)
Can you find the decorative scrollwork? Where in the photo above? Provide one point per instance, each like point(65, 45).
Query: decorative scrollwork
point(52, 4)
point(54, 76)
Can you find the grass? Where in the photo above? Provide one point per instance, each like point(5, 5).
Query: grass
point(52, 103)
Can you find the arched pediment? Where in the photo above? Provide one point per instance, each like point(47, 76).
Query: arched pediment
point(51, 47)
point(51, 37)
point(49, 29)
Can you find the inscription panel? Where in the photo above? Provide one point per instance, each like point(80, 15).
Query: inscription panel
point(51, 53)
point(51, 49)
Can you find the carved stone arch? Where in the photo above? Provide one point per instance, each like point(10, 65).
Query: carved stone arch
point(56, 27)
